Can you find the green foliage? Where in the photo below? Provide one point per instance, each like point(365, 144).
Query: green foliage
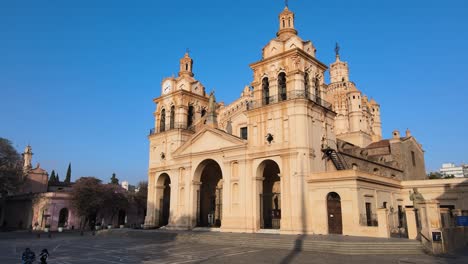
point(114, 179)
point(87, 197)
point(90, 197)
point(68, 177)
point(52, 177)
point(437, 175)
point(57, 179)
point(10, 167)
point(114, 199)
point(140, 197)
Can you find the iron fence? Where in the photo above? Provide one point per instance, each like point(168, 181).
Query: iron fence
point(181, 125)
point(291, 95)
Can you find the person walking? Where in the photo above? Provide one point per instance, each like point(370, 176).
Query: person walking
point(43, 256)
point(28, 256)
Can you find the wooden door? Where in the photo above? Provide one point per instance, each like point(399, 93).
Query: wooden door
point(335, 225)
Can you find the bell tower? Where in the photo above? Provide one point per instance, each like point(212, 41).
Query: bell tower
point(286, 24)
point(339, 71)
point(186, 64)
point(27, 157)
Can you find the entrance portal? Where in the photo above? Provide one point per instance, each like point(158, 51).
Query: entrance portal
point(164, 195)
point(335, 225)
point(270, 198)
point(209, 196)
point(63, 217)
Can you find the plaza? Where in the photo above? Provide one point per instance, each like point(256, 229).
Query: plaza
point(153, 246)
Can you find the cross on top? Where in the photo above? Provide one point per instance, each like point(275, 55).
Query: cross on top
point(187, 50)
point(286, 3)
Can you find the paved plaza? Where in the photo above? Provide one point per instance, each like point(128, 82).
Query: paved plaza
point(72, 248)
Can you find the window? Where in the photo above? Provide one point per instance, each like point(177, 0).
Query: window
point(190, 116)
point(162, 121)
point(203, 112)
point(172, 120)
point(282, 86)
point(266, 91)
point(306, 84)
point(400, 216)
point(243, 132)
point(413, 158)
point(368, 214)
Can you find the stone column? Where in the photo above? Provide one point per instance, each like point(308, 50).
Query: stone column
point(382, 218)
point(194, 203)
point(149, 219)
point(430, 224)
point(258, 186)
point(411, 223)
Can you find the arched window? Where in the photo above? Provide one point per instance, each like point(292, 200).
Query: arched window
point(162, 121)
point(203, 112)
point(317, 87)
point(266, 91)
point(283, 23)
point(289, 22)
point(186, 66)
point(306, 85)
point(172, 117)
point(282, 86)
point(190, 116)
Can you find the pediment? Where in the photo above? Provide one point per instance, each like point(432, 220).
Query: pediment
point(208, 140)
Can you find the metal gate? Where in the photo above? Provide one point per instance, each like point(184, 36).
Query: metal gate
point(270, 210)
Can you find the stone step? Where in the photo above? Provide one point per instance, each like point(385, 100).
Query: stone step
point(329, 244)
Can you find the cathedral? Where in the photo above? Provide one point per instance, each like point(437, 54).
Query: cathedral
point(294, 154)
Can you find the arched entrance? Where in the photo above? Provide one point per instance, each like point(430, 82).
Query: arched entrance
point(63, 217)
point(270, 195)
point(121, 218)
point(209, 195)
point(163, 195)
point(335, 225)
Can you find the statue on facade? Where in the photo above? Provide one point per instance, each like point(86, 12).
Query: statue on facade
point(416, 196)
point(211, 103)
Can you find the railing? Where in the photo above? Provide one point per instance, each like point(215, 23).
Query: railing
point(329, 143)
point(289, 96)
point(171, 127)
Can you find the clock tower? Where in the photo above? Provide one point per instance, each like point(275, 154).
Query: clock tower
point(180, 110)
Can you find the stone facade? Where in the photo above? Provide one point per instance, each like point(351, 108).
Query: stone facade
point(292, 154)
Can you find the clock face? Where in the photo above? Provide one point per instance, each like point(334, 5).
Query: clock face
point(167, 87)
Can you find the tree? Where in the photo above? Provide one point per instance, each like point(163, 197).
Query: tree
point(114, 199)
point(68, 177)
point(10, 168)
point(114, 179)
point(87, 198)
point(57, 179)
point(437, 175)
point(141, 196)
point(52, 178)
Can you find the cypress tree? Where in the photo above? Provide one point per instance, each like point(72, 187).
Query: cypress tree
point(68, 177)
point(52, 176)
point(57, 179)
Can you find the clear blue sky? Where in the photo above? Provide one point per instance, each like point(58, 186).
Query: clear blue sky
point(77, 78)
